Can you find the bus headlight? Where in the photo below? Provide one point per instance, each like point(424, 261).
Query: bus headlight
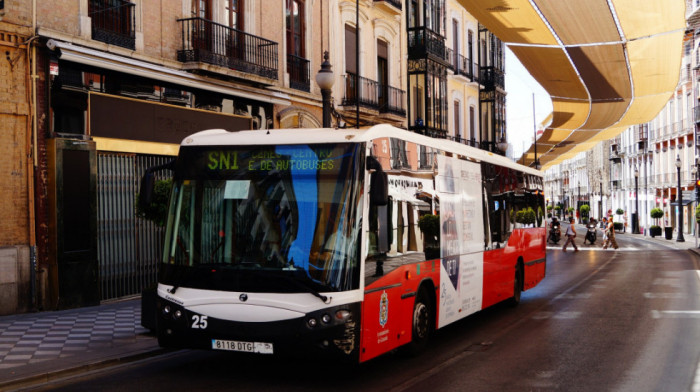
point(177, 314)
point(166, 310)
point(343, 315)
point(326, 318)
point(312, 322)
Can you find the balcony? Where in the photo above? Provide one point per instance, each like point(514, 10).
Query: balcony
point(461, 65)
point(393, 3)
point(491, 78)
point(391, 100)
point(212, 43)
point(370, 94)
point(299, 74)
point(113, 22)
point(423, 42)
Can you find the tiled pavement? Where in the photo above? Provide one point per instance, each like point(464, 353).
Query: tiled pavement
point(39, 347)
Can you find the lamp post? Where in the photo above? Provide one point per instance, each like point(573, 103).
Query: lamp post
point(680, 201)
point(534, 123)
point(635, 224)
point(325, 79)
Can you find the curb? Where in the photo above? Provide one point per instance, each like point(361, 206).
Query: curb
point(80, 369)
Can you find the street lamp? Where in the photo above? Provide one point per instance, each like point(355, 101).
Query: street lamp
point(325, 79)
point(635, 223)
point(680, 202)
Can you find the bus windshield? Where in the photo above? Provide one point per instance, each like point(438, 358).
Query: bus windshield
point(265, 218)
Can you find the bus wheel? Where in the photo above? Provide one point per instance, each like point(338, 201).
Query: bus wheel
point(517, 286)
point(422, 323)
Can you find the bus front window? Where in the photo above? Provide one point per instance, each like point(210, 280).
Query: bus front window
point(265, 218)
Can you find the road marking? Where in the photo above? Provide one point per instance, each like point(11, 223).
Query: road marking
point(657, 314)
point(665, 295)
point(599, 249)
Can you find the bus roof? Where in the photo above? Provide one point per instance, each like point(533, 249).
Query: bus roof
point(221, 137)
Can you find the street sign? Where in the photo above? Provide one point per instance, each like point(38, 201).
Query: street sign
point(688, 195)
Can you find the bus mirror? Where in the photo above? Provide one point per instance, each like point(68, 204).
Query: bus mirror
point(146, 192)
point(379, 188)
point(148, 183)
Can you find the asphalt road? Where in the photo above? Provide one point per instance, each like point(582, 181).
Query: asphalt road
point(625, 320)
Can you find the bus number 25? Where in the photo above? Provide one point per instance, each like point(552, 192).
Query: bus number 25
point(199, 322)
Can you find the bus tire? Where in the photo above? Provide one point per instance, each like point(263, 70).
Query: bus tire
point(517, 285)
point(422, 323)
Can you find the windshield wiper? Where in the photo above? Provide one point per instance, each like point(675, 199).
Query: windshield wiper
point(308, 289)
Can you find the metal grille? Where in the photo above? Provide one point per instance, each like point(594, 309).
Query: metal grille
point(129, 248)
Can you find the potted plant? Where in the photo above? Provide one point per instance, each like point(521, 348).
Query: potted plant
point(429, 225)
point(557, 210)
point(584, 210)
point(656, 214)
point(526, 216)
point(570, 211)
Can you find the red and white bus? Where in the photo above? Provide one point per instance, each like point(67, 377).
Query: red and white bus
point(308, 240)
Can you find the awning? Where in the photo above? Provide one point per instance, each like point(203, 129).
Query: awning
point(96, 58)
point(607, 64)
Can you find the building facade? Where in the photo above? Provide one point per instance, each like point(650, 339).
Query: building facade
point(95, 92)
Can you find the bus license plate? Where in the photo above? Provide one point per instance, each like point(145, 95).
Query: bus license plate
point(248, 347)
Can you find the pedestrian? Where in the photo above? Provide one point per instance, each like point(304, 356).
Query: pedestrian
point(605, 231)
point(610, 231)
point(570, 235)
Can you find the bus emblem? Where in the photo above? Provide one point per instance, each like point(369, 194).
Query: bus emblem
point(383, 309)
point(243, 297)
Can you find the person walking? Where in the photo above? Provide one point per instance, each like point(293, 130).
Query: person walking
point(570, 235)
point(610, 232)
point(605, 231)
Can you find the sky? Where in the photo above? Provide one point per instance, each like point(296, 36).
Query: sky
point(520, 87)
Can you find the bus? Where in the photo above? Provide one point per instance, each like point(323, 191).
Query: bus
point(340, 243)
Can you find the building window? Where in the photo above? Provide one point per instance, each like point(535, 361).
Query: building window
point(113, 22)
point(295, 27)
point(201, 9)
point(458, 128)
point(234, 14)
point(472, 124)
point(382, 73)
point(297, 65)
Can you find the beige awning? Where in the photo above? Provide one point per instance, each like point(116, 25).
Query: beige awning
point(607, 64)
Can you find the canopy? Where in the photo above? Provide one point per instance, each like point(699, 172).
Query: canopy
point(607, 64)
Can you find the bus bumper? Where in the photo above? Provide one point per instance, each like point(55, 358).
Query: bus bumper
point(333, 332)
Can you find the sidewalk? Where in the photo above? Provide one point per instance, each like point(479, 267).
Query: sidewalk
point(39, 347)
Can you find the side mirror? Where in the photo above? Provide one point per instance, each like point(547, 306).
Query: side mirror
point(148, 183)
point(378, 183)
point(146, 193)
point(379, 188)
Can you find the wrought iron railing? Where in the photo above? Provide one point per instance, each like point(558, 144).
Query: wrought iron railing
point(460, 65)
point(217, 44)
point(360, 90)
point(423, 41)
point(299, 73)
point(391, 100)
point(491, 77)
point(371, 94)
point(113, 22)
